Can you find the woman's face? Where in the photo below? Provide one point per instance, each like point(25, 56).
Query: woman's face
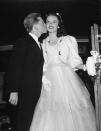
point(52, 23)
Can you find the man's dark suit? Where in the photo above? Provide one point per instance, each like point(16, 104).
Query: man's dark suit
point(25, 77)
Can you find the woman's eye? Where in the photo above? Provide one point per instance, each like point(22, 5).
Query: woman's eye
point(54, 21)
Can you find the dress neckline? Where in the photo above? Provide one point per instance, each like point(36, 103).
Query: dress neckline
point(52, 45)
point(59, 40)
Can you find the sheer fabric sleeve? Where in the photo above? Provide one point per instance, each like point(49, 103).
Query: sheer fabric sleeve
point(44, 55)
point(74, 57)
point(46, 83)
point(69, 51)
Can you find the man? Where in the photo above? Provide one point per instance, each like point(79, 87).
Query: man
point(25, 72)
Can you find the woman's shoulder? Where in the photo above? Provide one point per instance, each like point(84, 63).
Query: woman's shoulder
point(44, 43)
point(46, 39)
point(69, 37)
point(70, 41)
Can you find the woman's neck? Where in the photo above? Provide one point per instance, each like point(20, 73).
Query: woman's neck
point(53, 38)
point(52, 35)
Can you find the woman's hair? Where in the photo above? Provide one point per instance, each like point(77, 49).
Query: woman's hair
point(30, 20)
point(60, 30)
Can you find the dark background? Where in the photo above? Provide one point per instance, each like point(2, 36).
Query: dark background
point(78, 16)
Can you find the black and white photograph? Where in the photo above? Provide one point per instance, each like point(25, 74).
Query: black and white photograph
point(50, 65)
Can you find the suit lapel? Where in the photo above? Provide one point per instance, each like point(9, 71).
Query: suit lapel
point(34, 43)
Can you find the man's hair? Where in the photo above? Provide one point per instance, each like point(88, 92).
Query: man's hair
point(30, 20)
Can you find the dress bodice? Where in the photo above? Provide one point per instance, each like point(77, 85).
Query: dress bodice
point(53, 55)
point(65, 51)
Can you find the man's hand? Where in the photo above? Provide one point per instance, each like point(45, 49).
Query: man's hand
point(13, 98)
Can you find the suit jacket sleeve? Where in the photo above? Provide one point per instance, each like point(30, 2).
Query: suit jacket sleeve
point(16, 66)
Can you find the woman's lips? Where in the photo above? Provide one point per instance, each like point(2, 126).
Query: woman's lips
point(51, 27)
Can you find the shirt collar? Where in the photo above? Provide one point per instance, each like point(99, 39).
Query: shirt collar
point(34, 37)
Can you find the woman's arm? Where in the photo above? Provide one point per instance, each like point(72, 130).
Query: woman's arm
point(74, 59)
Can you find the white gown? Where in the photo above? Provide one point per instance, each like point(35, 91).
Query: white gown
point(64, 104)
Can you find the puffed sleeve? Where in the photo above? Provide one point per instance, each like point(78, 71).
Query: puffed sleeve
point(70, 52)
point(74, 58)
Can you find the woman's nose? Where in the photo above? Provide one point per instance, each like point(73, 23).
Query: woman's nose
point(50, 23)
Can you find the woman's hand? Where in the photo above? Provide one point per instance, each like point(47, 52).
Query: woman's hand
point(80, 67)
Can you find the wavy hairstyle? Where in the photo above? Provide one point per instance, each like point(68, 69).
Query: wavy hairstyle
point(60, 30)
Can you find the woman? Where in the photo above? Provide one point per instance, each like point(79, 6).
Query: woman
point(64, 104)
